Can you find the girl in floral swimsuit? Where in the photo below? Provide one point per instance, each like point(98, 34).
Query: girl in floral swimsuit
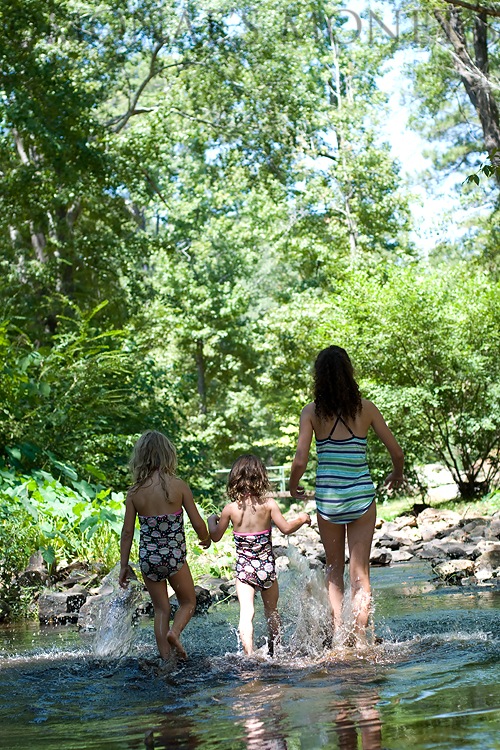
point(159, 498)
point(251, 513)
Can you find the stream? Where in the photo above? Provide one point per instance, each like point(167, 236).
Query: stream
point(432, 682)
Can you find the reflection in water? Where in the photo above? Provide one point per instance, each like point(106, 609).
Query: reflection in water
point(260, 707)
point(260, 738)
point(358, 716)
point(438, 665)
point(178, 731)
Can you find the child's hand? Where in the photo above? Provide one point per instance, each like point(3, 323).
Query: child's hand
point(125, 574)
point(395, 481)
point(205, 543)
point(306, 517)
point(214, 518)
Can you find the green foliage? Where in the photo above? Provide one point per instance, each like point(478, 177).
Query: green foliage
point(490, 168)
point(77, 520)
point(65, 520)
point(426, 345)
point(188, 196)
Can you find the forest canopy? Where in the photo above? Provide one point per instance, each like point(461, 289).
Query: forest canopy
point(195, 199)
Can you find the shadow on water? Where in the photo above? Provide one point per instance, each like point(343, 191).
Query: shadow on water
point(433, 681)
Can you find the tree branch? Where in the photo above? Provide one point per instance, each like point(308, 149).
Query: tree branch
point(153, 71)
point(495, 12)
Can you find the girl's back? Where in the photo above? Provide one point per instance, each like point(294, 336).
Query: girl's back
point(345, 427)
point(159, 495)
point(250, 515)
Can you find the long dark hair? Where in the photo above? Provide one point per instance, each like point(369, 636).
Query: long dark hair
point(247, 478)
point(335, 390)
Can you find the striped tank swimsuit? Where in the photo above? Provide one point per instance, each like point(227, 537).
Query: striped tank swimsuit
point(344, 488)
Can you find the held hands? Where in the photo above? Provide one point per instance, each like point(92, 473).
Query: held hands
point(306, 517)
point(298, 493)
point(205, 543)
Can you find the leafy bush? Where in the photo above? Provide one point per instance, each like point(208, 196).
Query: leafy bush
point(65, 522)
point(426, 345)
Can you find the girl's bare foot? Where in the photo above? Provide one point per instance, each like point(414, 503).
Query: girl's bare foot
point(175, 641)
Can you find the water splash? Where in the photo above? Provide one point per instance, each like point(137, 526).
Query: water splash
point(113, 621)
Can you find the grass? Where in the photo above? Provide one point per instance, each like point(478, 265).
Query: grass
point(390, 508)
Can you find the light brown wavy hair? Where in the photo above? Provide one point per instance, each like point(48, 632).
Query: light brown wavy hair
point(152, 452)
point(336, 392)
point(247, 478)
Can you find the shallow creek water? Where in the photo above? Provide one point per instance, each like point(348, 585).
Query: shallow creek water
point(433, 682)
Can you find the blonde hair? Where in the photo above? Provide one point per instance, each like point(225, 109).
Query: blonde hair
point(152, 452)
point(248, 477)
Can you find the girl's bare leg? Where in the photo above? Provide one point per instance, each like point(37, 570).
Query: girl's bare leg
point(159, 596)
point(359, 539)
point(333, 539)
point(246, 599)
point(182, 584)
point(270, 601)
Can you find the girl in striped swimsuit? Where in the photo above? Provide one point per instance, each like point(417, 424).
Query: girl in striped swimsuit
point(345, 497)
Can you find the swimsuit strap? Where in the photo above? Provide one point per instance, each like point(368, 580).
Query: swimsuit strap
point(333, 428)
point(339, 419)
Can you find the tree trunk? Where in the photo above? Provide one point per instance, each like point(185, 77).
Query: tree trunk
point(200, 367)
point(474, 74)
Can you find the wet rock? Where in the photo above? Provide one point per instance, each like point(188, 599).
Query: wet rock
point(457, 550)
point(4, 610)
point(431, 551)
point(36, 572)
point(493, 530)
point(401, 555)
point(477, 526)
point(452, 571)
point(91, 610)
point(487, 565)
point(282, 563)
point(228, 588)
point(280, 551)
point(380, 556)
point(203, 600)
point(388, 541)
point(60, 607)
point(486, 545)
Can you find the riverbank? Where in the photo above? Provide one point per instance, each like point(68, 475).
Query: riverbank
point(462, 547)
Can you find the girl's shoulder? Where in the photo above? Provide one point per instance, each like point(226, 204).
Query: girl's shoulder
point(366, 404)
point(309, 409)
point(368, 407)
point(368, 414)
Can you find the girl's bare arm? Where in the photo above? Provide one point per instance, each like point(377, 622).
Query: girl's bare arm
point(301, 459)
point(126, 540)
point(287, 527)
point(218, 524)
point(197, 521)
point(395, 451)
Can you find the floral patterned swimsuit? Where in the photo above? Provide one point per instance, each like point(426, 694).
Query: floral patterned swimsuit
point(162, 546)
point(255, 559)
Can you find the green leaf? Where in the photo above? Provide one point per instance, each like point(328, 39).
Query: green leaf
point(48, 555)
